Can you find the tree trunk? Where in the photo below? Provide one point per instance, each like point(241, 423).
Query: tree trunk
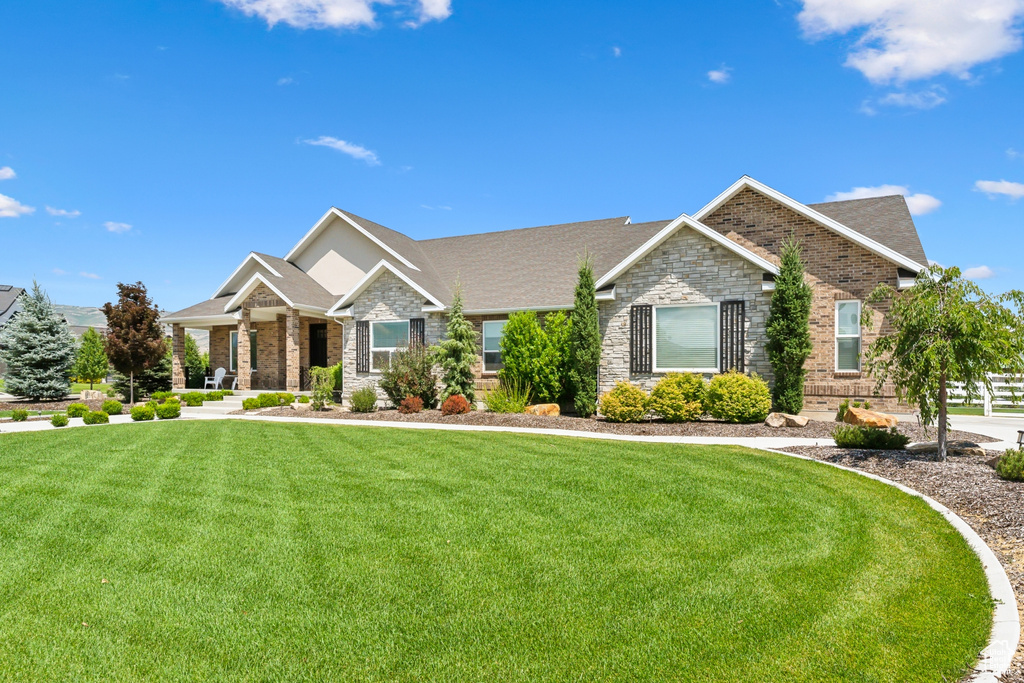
point(131, 390)
point(942, 413)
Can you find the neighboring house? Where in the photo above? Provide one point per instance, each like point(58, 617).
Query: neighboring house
point(690, 294)
point(8, 307)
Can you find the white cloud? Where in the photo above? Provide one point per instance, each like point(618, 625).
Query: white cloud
point(117, 227)
point(439, 208)
point(905, 40)
point(6, 173)
point(353, 150)
point(337, 13)
point(61, 212)
point(58, 271)
point(91, 276)
point(12, 208)
point(1011, 153)
point(617, 51)
point(723, 75)
point(919, 204)
point(978, 273)
point(924, 99)
point(992, 188)
point(287, 80)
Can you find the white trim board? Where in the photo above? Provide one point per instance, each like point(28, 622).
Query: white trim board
point(334, 212)
point(247, 289)
point(871, 245)
point(253, 256)
point(373, 275)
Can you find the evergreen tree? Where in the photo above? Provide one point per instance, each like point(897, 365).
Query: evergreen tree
point(789, 331)
point(135, 341)
point(457, 354)
point(155, 378)
point(585, 342)
point(194, 361)
point(38, 348)
point(91, 364)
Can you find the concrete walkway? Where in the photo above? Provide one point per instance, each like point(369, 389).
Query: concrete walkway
point(1002, 428)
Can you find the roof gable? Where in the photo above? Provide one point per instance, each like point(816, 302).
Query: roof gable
point(377, 234)
point(884, 219)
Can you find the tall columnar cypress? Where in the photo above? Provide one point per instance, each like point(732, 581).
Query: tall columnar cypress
point(38, 348)
point(789, 331)
point(457, 354)
point(584, 342)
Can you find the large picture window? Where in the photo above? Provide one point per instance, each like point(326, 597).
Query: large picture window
point(848, 336)
point(493, 330)
point(686, 338)
point(234, 351)
point(385, 339)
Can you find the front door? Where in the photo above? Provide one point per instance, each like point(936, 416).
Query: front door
point(318, 346)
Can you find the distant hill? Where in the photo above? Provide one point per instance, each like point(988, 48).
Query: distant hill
point(81, 318)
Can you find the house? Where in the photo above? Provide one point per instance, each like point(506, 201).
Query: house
point(689, 294)
point(8, 307)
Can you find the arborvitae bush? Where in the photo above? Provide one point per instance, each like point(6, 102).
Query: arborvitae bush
point(789, 331)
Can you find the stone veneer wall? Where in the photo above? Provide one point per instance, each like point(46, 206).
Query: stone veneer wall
point(685, 268)
point(387, 298)
point(837, 269)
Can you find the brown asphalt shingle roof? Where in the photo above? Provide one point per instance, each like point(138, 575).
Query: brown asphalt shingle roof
point(298, 286)
point(884, 219)
point(8, 297)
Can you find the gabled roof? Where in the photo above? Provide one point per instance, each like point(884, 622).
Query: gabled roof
point(8, 297)
point(884, 219)
point(387, 239)
point(872, 245)
point(369, 278)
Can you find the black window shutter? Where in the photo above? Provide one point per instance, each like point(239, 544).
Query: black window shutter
point(733, 335)
point(417, 332)
point(362, 346)
point(640, 357)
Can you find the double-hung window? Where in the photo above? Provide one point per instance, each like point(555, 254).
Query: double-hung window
point(493, 330)
point(848, 336)
point(686, 338)
point(234, 351)
point(385, 339)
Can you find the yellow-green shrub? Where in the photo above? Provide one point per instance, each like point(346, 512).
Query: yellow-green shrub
point(625, 403)
point(734, 397)
point(679, 397)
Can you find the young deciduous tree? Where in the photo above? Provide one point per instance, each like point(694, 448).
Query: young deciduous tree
point(945, 329)
point(91, 364)
point(789, 331)
point(457, 354)
point(38, 348)
point(584, 342)
point(135, 340)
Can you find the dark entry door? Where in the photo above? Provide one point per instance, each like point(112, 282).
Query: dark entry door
point(318, 346)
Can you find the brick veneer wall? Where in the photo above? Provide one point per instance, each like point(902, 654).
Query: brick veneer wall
point(387, 298)
point(489, 381)
point(685, 268)
point(837, 269)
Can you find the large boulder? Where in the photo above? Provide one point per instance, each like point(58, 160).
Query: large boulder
point(952, 448)
point(869, 418)
point(91, 395)
point(544, 409)
point(779, 420)
point(796, 421)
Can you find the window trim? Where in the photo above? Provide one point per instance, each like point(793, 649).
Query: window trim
point(233, 356)
point(655, 368)
point(389, 349)
point(483, 353)
point(859, 335)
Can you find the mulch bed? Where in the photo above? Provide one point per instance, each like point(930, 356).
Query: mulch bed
point(966, 485)
point(813, 430)
point(49, 405)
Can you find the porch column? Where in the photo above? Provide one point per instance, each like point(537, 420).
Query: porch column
point(244, 366)
point(177, 356)
point(291, 350)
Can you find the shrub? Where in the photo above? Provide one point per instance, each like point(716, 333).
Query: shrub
point(852, 436)
point(1011, 465)
point(59, 420)
point(457, 353)
point(679, 397)
point(508, 397)
point(322, 381)
point(193, 399)
point(788, 330)
point(410, 372)
point(285, 398)
point(143, 413)
point(152, 404)
point(77, 410)
point(734, 397)
point(19, 415)
point(250, 404)
point(338, 373)
point(268, 400)
point(364, 400)
point(625, 403)
point(112, 407)
point(303, 399)
point(536, 357)
point(168, 411)
point(584, 342)
point(455, 405)
point(226, 392)
point(173, 399)
point(96, 417)
point(161, 395)
point(410, 404)
point(214, 396)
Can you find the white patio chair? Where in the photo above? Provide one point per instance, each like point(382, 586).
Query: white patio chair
point(215, 381)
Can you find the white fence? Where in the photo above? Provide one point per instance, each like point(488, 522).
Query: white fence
point(1001, 398)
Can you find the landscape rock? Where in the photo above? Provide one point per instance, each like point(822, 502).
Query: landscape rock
point(775, 420)
point(544, 409)
point(301, 407)
point(91, 394)
point(992, 462)
point(796, 421)
point(952, 448)
point(869, 418)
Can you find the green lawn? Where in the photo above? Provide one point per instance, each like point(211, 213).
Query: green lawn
point(31, 413)
point(980, 410)
point(76, 387)
point(251, 551)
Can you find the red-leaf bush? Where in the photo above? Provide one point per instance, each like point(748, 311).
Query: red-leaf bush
point(455, 405)
point(410, 404)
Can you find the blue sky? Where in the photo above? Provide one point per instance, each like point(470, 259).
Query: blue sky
point(170, 138)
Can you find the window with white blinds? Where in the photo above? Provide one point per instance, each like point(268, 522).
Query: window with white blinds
point(848, 336)
point(686, 338)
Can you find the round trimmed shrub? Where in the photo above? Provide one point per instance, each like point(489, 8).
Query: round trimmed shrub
point(456, 404)
point(19, 415)
point(168, 411)
point(268, 400)
point(411, 404)
point(214, 396)
point(160, 396)
point(625, 403)
point(77, 410)
point(679, 397)
point(59, 420)
point(364, 400)
point(1011, 465)
point(734, 397)
point(193, 399)
point(96, 417)
point(112, 407)
point(303, 399)
point(285, 398)
point(143, 413)
point(250, 403)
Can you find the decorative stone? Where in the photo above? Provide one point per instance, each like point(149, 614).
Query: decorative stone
point(544, 409)
point(775, 420)
point(869, 418)
point(91, 395)
point(952, 448)
point(992, 462)
point(301, 407)
point(796, 421)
